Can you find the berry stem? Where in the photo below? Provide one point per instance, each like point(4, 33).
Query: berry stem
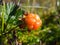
point(28, 2)
point(34, 1)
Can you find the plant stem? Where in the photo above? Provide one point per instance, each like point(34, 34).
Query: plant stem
point(34, 1)
point(3, 13)
point(28, 3)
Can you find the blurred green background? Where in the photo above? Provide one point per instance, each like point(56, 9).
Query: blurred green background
point(48, 34)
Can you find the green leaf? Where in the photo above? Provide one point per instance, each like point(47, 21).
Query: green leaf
point(12, 13)
point(8, 8)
